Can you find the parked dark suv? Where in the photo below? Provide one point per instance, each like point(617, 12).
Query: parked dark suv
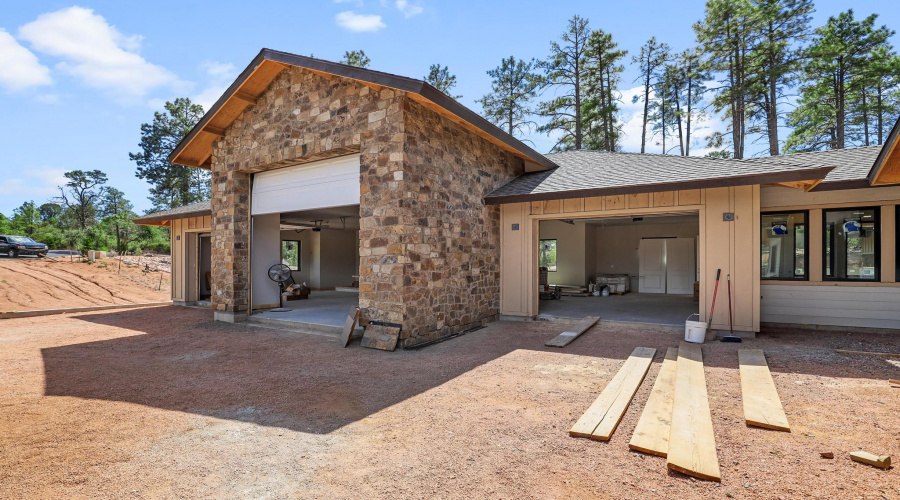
point(14, 246)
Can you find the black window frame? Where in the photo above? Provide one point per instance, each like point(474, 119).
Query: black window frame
point(805, 276)
point(281, 253)
point(825, 257)
point(897, 243)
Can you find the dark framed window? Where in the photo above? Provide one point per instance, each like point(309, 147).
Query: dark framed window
point(290, 254)
point(547, 254)
point(851, 244)
point(784, 246)
point(897, 242)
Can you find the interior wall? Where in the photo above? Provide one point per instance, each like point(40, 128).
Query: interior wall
point(303, 275)
point(570, 251)
point(328, 258)
point(266, 251)
point(617, 246)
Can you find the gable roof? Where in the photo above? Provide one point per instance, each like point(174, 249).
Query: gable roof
point(886, 169)
point(597, 173)
point(199, 209)
point(195, 149)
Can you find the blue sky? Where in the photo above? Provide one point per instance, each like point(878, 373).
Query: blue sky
point(77, 80)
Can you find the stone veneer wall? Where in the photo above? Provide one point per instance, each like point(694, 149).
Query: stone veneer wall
point(452, 240)
point(429, 247)
point(301, 117)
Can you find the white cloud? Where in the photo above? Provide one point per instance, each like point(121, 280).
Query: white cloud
point(359, 22)
point(221, 75)
point(631, 116)
point(408, 9)
point(38, 184)
point(96, 52)
point(19, 68)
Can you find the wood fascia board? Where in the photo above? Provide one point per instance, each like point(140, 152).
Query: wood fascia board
point(886, 169)
point(210, 129)
point(246, 97)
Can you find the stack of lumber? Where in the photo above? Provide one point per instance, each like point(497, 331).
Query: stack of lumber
point(676, 422)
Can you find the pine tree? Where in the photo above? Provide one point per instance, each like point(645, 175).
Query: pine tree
point(601, 82)
point(775, 58)
point(837, 69)
point(565, 71)
point(441, 79)
point(727, 35)
point(514, 84)
point(876, 95)
point(651, 61)
point(356, 58)
point(81, 195)
point(171, 185)
point(693, 88)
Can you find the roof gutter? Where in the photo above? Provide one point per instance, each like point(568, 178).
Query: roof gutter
point(737, 180)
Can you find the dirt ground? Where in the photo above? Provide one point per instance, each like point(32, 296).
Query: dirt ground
point(163, 402)
point(30, 283)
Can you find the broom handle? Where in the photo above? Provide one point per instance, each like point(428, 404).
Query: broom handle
point(715, 292)
point(730, 316)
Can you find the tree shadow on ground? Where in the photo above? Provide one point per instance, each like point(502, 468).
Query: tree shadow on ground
point(178, 359)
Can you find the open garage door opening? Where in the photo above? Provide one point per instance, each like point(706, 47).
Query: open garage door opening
point(640, 268)
point(306, 219)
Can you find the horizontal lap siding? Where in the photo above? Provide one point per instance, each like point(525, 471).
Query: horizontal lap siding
point(852, 306)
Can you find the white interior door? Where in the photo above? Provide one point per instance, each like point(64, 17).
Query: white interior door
point(680, 267)
point(652, 269)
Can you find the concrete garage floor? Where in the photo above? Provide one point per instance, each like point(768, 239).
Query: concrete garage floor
point(656, 309)
point(325, 308)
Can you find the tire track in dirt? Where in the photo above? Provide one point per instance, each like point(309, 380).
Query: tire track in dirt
point(111, 293)
point(41, 283)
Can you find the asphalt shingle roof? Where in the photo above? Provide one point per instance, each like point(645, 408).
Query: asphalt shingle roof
point(849, 164)
point(598, 170)
point(192, 210)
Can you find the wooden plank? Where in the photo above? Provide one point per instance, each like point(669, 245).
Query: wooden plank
point(895, 382)
point(552, 206)
point(886, 354)
point(593, 204)
point(692, 444)
point(638, 200)
point(762, 406)
point(566, 337)
point(602, 417)
point(573, 205)
point(349, 325)
point(689, 197)
point(882, 461)
point(652, 432)
point(615, 202)
point(664, 199)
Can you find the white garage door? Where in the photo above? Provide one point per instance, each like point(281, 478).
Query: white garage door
point(321, 184)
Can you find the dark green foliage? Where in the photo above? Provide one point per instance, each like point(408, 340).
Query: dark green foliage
point(356, 58)
point(565, 72)
point(441, 79)
point(513, 87)
point(839, 76)
point(170, 185)
point(601, 104)
point(651, 60)
point(80, 196)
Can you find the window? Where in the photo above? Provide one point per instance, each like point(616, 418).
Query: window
point(547, 252)
point(783, 245)
point(897, 243)
point(290, 254)
point(851, 244)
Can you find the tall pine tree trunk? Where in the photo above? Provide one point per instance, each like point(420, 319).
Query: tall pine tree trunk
point(865, 118)
point(646, 106)
point(879, 122)
point(839, 115)
point(772, 105)
point(687, 135)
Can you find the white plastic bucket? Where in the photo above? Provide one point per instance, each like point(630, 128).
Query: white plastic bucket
point(694, 331)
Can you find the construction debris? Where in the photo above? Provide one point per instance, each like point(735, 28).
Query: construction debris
point(826, 454)
point(863, 457)
point(886, 354)
point(652, 432)
point(382, 336)
point(565, 338)
point(762, 406)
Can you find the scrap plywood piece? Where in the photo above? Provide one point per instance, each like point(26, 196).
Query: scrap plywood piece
point(652, 432)
point(602, 417)
point(885, 354)
point(762, 406)
point(566, 337)
point(692, 444)
point(382, 337)
point(882, 461)
point(349, 325)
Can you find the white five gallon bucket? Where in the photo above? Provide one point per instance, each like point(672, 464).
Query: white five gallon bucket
point(694, 331)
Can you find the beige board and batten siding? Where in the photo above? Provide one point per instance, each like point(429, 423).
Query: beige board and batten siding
point(184, 247)
point(731, 246)
point(835, 303)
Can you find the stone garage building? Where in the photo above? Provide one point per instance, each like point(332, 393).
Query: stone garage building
point(379, 185)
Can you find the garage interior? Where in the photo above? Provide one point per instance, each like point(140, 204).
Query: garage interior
point(648, 263)
point(307, 218)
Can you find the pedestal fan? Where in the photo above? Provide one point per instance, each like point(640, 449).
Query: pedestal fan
point(281, 274)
